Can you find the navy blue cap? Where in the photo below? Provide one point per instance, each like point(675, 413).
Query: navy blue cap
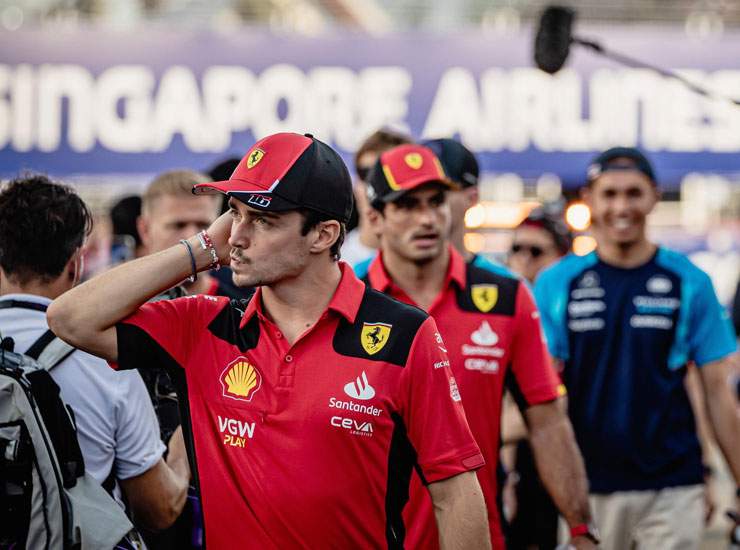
point(458, 161)
point(613, 159)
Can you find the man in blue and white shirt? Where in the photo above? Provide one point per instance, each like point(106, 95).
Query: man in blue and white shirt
point(624, 321)
point(43, 226)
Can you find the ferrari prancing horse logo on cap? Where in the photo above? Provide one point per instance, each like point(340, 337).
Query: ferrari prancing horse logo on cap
point(484, 296)
point(414, 160)
point(374, 336)
point(255, 157)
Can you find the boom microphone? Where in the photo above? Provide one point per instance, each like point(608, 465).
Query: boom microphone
point(552, 42)
point(555, 35)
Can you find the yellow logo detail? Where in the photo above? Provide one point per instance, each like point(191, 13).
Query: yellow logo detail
point(414, 160)
point(241, 380)
point(374, 336)
point(484, 296)
point(561, 390)
point(255, 157)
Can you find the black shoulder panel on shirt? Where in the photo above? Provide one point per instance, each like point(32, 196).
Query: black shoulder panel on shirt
point(488, 287)
point(389, 330)
point(225, 326)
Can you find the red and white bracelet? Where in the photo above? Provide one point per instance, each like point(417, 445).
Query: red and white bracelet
point(207, 244)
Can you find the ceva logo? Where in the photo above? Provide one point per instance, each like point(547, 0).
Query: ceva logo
point(360, 388)
point(355, 427)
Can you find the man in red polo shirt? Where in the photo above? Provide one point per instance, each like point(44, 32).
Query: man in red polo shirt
point(311, 403)
point(491, 331)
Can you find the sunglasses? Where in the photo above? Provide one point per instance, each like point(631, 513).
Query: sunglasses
point(533, 250)
point(363, 172)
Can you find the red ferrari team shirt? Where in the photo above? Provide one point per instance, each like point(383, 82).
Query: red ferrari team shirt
point(310, 445)
point(492, 336)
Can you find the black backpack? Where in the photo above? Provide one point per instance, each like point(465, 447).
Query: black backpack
point(46, 498)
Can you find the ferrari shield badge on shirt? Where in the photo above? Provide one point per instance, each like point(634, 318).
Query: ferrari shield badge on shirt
point(374, 336)
point(484, 296)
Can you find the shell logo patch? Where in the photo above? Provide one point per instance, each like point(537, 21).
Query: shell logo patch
point(255, 157)
point(484, 296)
point(414, 160)
point(240, 380)
point(374, 336)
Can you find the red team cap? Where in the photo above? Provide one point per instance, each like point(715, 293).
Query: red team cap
point(288, 171)
point(402, 169)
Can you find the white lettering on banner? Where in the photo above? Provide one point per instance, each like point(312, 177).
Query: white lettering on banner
point(525, 107)
point(131, 85)
point(228, 96)
point(126, 110)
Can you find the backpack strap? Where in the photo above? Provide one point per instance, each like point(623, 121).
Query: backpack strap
point(8, 304)
point(48, 350)
point(39, 345)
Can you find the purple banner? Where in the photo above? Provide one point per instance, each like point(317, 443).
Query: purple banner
point(94, 102)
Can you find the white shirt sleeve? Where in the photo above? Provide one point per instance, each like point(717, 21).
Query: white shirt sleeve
point(138, 447)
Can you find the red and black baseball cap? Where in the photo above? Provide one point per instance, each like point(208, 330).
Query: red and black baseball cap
point(287, 171)
point(403, 169)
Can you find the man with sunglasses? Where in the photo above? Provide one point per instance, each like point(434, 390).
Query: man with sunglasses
point(490, 329)
point(538, 241)
point(624, 321)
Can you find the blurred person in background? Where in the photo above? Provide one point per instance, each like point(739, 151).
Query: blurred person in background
point(624, 321)
point(127, 243)
point(170, 212)
point(361, 243)
point(43, 226)
point(488, 326)
point(461, 166)
point(538, 241)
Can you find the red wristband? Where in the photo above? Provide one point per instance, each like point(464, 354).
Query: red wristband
point(579, 530)
point(587, 530)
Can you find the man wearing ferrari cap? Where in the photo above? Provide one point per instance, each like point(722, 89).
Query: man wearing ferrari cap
point(312, 402)
point(491, 332)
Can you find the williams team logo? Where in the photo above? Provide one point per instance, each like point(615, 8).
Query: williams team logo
point(240, 380)
point(414, 160)
point(254, 158)
point(484, 296)
point(374, 336)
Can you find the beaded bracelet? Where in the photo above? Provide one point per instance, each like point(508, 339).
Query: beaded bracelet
point(194, 276)
point(207, 244)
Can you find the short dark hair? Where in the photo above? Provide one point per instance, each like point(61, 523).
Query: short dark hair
point(312, 218)
point(380, 141)
point(42, 224)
